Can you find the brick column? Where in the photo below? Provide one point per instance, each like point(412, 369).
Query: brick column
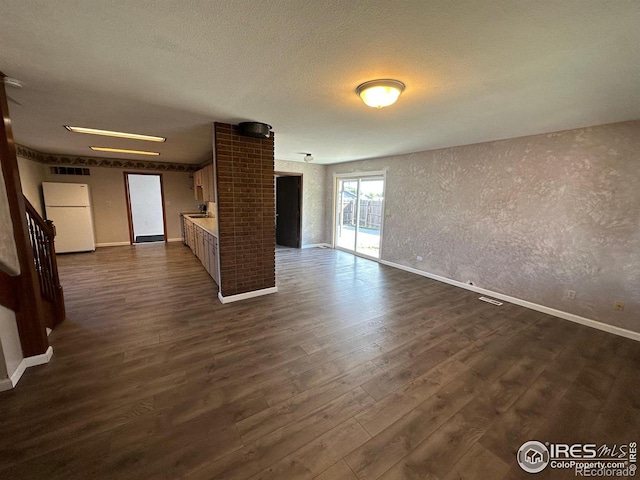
point(246, 211)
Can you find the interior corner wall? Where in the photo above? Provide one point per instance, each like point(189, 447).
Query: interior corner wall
point(529, 217)
point(246, 210)
point(32, 175)
point(314, 189)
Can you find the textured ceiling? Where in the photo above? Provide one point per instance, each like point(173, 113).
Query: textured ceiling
point(474, 70)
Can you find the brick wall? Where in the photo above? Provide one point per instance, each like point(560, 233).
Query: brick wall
point(246, 210)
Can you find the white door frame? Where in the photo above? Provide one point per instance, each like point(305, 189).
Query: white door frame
point(356, 176)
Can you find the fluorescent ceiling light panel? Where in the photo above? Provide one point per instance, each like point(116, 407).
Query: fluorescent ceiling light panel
point(122, 150)
point(109, 133)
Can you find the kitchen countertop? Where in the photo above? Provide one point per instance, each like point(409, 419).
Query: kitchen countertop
point(208, 224)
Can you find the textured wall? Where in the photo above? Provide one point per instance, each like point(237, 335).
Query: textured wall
point(246, 210)
point(8, 255)
point(313, 199)
point(528, 217)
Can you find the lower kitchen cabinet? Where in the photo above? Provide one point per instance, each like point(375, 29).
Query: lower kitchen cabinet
point(204, 245)
point(213, 260)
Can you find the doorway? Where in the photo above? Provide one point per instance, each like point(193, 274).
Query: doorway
point(145, 207)
point(359, 213)
point(289, 210)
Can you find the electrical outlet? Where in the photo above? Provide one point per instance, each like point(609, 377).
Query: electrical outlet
point(618, 305)
point(571, 294)
point(419, 258)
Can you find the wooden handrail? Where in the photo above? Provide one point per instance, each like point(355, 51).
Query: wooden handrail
point(42, 233)
point(30, 314)
point(46, 225)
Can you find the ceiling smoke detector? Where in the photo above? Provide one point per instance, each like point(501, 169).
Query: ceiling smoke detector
point(308, 157)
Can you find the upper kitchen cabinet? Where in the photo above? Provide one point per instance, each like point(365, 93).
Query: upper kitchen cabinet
point(204, 184)
point(197, 184)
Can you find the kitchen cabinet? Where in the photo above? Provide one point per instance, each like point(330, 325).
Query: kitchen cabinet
point(214, 272)
point(197, 185)
point(203, 243)
point(189, 234)
point(210, 260)
point(207, 252)
point(204, 184)
point(199, 243)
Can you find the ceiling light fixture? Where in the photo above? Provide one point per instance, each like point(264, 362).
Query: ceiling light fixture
point(308, 157)
point(122, 150)
point(109, 133)
point(380, 93)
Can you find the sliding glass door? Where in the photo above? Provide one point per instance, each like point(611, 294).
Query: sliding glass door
point(359, 213)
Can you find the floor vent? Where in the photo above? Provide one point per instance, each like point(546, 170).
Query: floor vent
point(149, 238)
point(490, 300)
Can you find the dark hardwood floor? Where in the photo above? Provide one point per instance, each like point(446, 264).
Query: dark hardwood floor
point(353, 370)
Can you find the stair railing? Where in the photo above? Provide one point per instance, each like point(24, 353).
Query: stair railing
point(42, 233)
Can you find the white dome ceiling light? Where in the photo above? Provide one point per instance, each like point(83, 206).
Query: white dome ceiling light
point(380, 93)
point(308, 157)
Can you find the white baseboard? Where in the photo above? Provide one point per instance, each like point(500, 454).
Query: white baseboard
point(41, 359)
point(244, 296)
point(316, 245)
point(112, 244)
point(121, 244)
point(623, 332)
point(5, 384)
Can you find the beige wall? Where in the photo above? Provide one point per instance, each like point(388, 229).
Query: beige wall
point(32, 175)
point(108, 197)
point(529, 217)
point(313, 198)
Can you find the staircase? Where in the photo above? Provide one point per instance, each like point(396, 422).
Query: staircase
point(42, 233)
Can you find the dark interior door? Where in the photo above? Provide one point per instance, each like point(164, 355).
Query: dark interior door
point(288, 211)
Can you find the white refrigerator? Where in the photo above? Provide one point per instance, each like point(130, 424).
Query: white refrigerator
point(68, 205)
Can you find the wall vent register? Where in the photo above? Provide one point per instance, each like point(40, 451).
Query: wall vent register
point(70, 171)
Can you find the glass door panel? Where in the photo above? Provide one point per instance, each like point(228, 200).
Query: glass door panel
point(370, 199)
point(346, 206)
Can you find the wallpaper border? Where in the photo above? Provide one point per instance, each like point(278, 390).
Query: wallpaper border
point(57, 159)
